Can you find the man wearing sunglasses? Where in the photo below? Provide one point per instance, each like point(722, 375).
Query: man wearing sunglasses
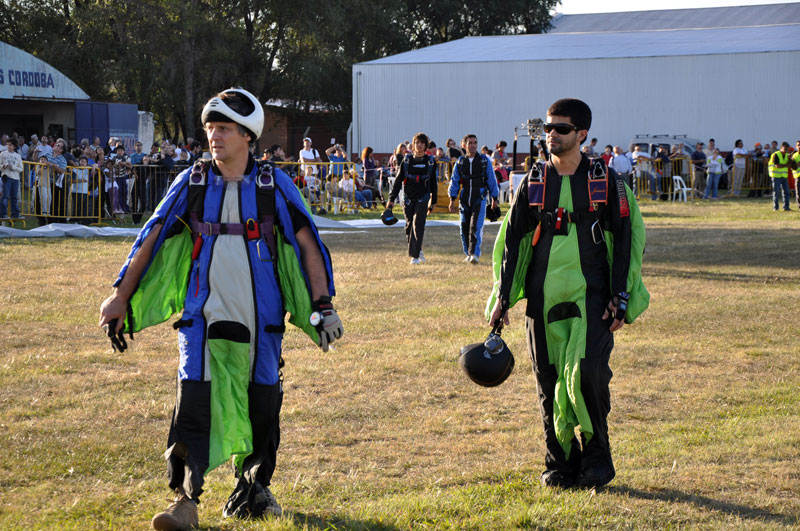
point(576, 215)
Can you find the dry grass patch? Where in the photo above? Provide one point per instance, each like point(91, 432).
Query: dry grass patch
point(384, 432)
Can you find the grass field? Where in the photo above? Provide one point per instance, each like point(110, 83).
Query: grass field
point(385, 432)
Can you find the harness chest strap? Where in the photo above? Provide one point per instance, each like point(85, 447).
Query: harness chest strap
point(430, 166)
point(466, 167)
point(252, 230)
point(597, 182)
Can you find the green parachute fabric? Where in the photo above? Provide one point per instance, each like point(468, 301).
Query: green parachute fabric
point(296, 298)
point(566, 338)
point(231, 433)
point(159, 296)
point(296, 294)
point(640, 297)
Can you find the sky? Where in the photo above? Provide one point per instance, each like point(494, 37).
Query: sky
point(571, 7)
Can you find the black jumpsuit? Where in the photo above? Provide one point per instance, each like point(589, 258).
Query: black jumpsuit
point(417, 177)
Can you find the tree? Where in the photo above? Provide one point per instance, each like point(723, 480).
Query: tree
point(168, 56)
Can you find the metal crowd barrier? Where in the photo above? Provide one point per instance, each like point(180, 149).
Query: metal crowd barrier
point(51, 196)
point(749, 174)
point(654, 178)
point(660, 179)
point(92, 194)
point(324, 192)
point(97, 194)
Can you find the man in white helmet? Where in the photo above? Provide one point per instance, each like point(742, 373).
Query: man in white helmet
point(211, 249)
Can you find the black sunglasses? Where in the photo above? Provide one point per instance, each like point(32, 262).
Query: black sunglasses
point(560, 128)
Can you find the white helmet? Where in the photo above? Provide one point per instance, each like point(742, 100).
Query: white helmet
point(217, 110)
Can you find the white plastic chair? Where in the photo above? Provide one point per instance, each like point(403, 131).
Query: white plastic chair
point(505, 194)
point(515, 178)
point(679, 188)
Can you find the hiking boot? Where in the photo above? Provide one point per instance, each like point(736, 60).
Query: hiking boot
point(468, 258)
point(415, 261)
point(596, 476)
point(179, 516)
point(422, 257)
point(250, 500)
point(272, 507)
point(557, 478)
point(475, 259)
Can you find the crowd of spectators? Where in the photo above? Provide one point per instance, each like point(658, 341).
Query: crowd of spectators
point(326, 176)
point(70, 182)
point(705, 167)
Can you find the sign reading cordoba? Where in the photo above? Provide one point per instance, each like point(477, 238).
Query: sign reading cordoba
point(24, 76)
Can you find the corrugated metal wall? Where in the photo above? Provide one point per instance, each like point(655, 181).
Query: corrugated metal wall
point(748, 96)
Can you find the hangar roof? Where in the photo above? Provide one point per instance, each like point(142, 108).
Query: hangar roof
point(708, 17)
point(556, 46)
point(27, 77)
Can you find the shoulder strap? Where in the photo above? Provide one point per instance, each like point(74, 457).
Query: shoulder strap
point(463, 169)
point(598, 183)
point(198, 180)
point(624, 207)
point(537, 183)
point(265, 203)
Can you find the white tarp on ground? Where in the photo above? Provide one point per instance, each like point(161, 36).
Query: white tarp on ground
point(377, 223)
point(57, 230)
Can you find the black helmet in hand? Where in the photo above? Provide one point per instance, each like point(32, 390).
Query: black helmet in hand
point(493, 214)
point(488, 363)
point(388, 217)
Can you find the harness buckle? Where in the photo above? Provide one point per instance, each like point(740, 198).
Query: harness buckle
point(597, 233)
point(251, 228)
point(258, 250)
point(207, 228)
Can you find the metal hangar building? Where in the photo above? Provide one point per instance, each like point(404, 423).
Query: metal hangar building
point(725, 73)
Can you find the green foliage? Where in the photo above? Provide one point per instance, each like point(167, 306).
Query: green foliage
point(169, 56)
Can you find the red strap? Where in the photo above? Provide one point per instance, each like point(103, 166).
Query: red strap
point(559, 215)
point(198, 243)
point(252, 229)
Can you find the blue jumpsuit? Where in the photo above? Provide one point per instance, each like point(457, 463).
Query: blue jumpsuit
point(219, 327)
point(475, 178)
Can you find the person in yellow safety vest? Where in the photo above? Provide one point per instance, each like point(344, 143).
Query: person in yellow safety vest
point(779, 173)
point(796, 171)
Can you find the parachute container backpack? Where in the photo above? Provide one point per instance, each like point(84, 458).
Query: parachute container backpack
point(489, 363)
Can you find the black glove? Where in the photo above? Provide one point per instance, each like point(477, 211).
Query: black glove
point(621, 302)
point(118, 342)
point(329, 325)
